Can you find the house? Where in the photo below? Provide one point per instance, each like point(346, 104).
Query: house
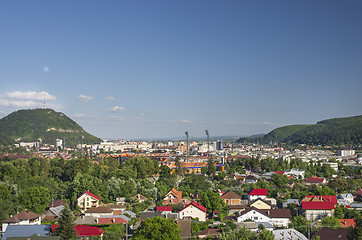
point(193, 210)
point(53, 213)
point(295, 173)
point(317, 207)
point(251, 179)
point(22, 218)
point(35, 237)
point(98, 211)
point(57, 203)
point(345, 199)
point(209, 233)
point(288, 234)
point(84, 231)
point(195, 195)
point(278, 217)
point(260, 204)
point(117, 208)
point(257, 193)
point(130, 214)
point(164, 209)
point(145, 215)
point(114, 219)
point(331, 234)
point(173, 194)
point(87, 200)
point(139, 197)
point(291, 201)
point(231, 198)
point(239, 208)
point(26, 231)
point(345, 223)
point(315, 180)
point(175, 201)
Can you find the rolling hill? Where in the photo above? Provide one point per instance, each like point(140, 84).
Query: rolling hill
point(332, 131)
point(45, 124)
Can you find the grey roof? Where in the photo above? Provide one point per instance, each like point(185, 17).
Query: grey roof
point(56, 210)
point(117, 216)
point(132, 214)
point(26, 231)
point(288, 234)
point(85, 220)
point(35, 237)
point(266, 224)
point(146, 215)
point(248, 225)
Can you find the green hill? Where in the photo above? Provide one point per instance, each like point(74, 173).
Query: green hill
point(333, 131)
point(45, 124)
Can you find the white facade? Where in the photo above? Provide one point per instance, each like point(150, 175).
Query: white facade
point(316, 214)
point(86, 201)
point(36, 221)
point(193, 212)
point(254, 197)
point(259, 217)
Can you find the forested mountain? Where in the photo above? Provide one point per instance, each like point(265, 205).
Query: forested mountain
point(45, 124)
point(333, 131)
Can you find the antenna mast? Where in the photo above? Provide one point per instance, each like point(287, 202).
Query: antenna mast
point(45, 105)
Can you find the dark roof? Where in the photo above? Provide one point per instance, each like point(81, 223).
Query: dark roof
point(57, 203)
point(272, 213)
point(146, 215)
point(185, 226)
point(23, 215)
point(230, 195)
point(331, 234)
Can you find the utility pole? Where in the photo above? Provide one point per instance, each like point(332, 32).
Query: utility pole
point(208, 143)
point(187, 146)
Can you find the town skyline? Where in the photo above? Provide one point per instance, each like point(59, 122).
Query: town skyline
point(126, 70)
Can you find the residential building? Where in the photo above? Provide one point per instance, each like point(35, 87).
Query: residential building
point(257, 193)
point(173, 194)
point(87, 200)
point(345, 223)
point(98, 211)
point(22, 218)
point(139, 197)
point(193, 210)
point(278, 217)
point(209, 233)
point(315, 180)
point(318, 207)
point(26, 231)
point(260, 204)
point(231, 198)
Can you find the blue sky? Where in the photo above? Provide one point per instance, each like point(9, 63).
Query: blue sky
point(144, 69)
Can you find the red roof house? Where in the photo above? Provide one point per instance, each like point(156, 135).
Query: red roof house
point(315, 180)
point(164, 209)
point(317, 207)
point(345, 223)
point(84, 230)
point(257, 193)
point(193, 210)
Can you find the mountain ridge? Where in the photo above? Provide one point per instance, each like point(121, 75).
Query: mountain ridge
point(29, 125)
point(347, 130)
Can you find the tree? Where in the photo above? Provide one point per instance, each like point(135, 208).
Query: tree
point(114, 232)
point(211, 201)
point(211, 169)
point(66, 229)
point(300, 224)
point(35, 198)
point(266, 235)
point(331, 222)
point(356, 232)
point(158, 228)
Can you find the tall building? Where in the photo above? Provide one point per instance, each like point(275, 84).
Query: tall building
point(218, 145)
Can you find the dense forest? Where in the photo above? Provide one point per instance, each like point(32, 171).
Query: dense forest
point(328, 132)
point(45, 124)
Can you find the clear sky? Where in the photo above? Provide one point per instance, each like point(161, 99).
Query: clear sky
point(151, 68)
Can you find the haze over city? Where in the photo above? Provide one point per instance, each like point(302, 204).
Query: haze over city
point(152, 69)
